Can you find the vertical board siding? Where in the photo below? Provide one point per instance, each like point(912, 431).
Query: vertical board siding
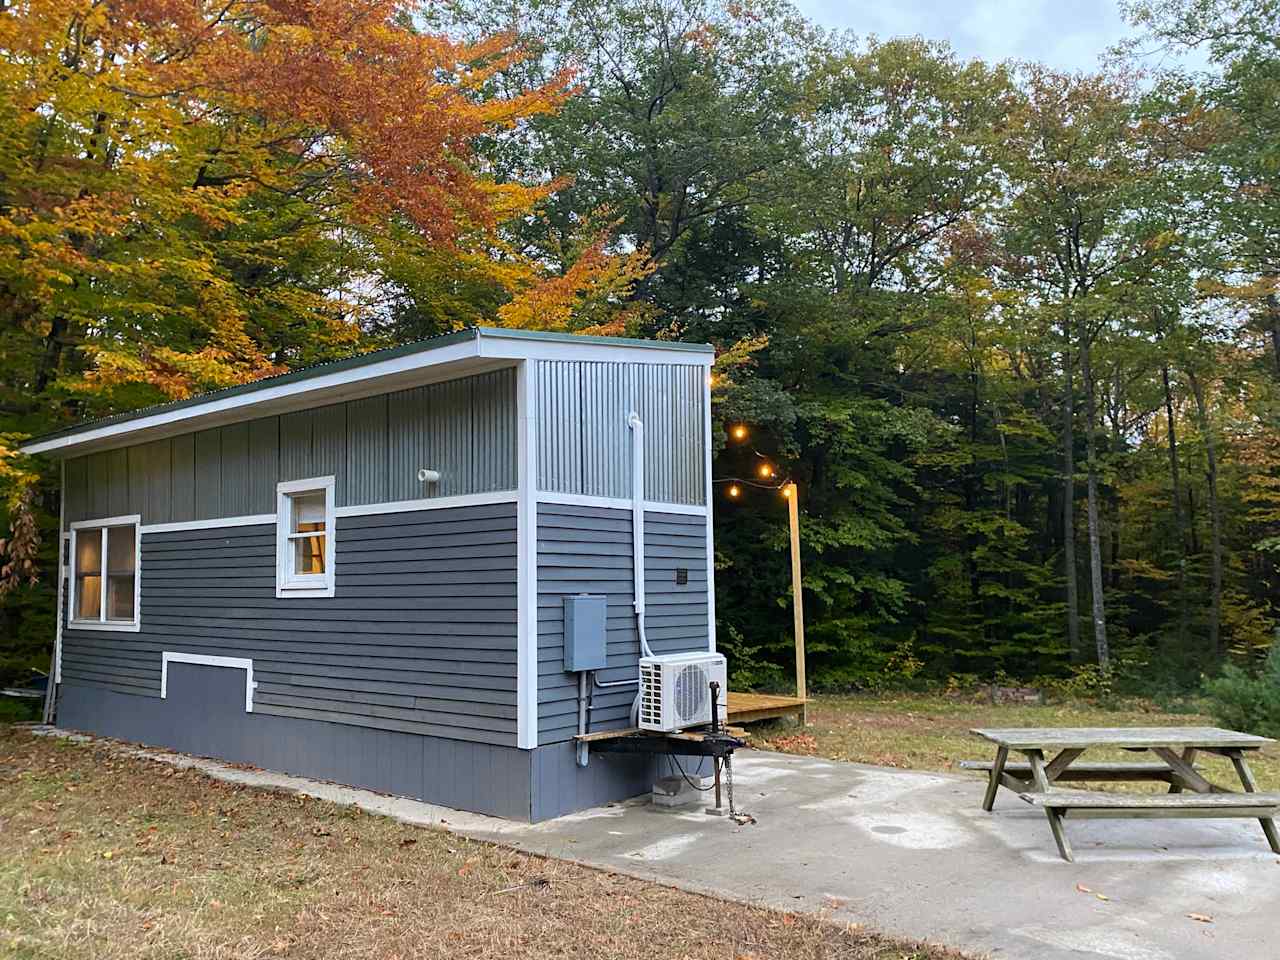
point(419, 637)
point(464, 428)
point(588, 550)
point(584, 443)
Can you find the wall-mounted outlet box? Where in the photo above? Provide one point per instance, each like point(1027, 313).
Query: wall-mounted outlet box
point(585, 638)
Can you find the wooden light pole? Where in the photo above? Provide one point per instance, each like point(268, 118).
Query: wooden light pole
point(797, 596)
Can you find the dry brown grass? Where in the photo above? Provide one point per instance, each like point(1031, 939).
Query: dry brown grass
point(106, 857)
point(931, 732)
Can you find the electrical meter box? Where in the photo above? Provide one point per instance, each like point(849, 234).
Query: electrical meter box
point(585, 638)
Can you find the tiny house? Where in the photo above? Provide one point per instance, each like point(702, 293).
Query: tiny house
point(365, 571)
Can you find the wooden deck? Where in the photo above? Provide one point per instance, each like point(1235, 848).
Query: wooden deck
point(750, 707)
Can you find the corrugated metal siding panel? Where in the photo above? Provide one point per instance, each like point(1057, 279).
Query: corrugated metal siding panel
point(420, 635)
point(367, 462)
point(449, 446)
point(235, 470)
point(560, 425)
point(584, 443)
point(374, 448)
point(493, 431)
point(295, 446)
point(407, 419)
point(264, 464)
point(208, 479)
point(607, 400)
point(588, 550)
point(184, 478)
point(329, 447)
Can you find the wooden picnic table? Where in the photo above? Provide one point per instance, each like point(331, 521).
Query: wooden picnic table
point(1175, 749)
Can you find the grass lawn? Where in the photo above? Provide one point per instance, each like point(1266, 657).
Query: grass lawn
point(930, 732)
point(108, 857)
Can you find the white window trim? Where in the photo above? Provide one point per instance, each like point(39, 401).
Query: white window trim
point(309, 585)
point(240, 663)
point(131, 626)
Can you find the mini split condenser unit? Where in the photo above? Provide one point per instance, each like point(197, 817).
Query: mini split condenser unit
point(675, 690)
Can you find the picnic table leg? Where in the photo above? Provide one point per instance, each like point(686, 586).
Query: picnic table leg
point(1041, 782)
point(1251, 786)
point(993, 784)
point(1189, 758)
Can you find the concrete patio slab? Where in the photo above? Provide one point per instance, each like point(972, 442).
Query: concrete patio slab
point(912, 854)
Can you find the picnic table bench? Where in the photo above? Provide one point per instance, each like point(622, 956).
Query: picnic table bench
point(1190, 793)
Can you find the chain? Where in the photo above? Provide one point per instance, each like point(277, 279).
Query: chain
point(728, 779)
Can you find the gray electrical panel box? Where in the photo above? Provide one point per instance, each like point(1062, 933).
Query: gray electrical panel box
point(584, 632)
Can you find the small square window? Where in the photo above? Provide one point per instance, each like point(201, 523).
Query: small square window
point(104, 574)
point(304, 538)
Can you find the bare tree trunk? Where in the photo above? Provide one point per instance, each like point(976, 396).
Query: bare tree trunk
point(1095, 538)
point(1215, 516)
point(1179, 518)
point(1068, 506)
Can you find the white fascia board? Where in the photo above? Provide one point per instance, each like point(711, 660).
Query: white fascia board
point(710, 513)
point(299, 394)
point(527, 559)
point(495, 346)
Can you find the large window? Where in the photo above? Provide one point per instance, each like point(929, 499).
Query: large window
point(304, 538)
point(104, 573)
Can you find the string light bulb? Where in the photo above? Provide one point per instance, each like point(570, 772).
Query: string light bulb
point(739, 432)
point(766, 471)
point(786, 491)
point(734, 490)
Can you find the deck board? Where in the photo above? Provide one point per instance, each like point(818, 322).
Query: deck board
point(750, 707)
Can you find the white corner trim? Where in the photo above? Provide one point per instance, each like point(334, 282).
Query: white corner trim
point(313, 585)
point(428, 503)
point(710, 514)
point(239, 663)
point(527, 557)
point(619, 503)
point(249, 520)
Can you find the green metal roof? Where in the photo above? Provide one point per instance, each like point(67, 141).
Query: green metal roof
point(364, 359)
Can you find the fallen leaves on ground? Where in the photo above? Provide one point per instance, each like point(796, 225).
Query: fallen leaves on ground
point(233, 871)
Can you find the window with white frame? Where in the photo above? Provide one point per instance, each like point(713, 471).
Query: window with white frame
point(304, 538)
point(105, 557)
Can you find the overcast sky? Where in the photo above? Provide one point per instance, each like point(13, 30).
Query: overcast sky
point(1064, 34)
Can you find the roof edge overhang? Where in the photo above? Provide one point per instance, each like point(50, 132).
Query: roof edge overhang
point(466, 352)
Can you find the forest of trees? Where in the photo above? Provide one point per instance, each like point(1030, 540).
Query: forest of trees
point(1015, 333)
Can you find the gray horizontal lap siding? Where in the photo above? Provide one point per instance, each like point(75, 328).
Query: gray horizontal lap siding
point(588, 550)
point(419, 637)
point(374, 447)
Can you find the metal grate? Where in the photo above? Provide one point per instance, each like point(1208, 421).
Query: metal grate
point(650, 694)
point(691, 693)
